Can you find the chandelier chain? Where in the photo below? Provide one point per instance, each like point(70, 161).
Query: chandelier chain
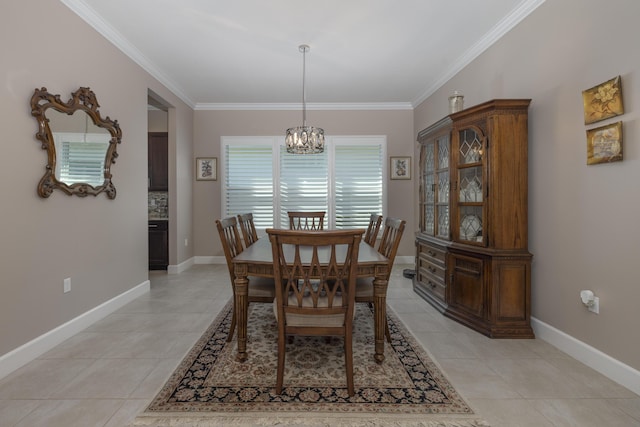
point(304, 48)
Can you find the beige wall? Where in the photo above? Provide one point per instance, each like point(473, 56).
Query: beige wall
point(101, 244)
point(158, 121)
point(181, 180)
point(582, 219)
point(211, 125)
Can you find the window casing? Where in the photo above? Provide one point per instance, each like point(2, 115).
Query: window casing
point(347, 180)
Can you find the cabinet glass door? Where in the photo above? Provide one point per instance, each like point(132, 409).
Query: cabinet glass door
point(427, 158)
point(470, 193)
point(442, 203)
point(435, 186)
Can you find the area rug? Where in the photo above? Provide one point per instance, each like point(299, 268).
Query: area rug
point(210, 388)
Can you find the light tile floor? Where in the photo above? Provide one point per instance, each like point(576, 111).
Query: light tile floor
point(108, 373)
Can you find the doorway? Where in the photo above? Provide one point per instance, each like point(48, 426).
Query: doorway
point(158, 183)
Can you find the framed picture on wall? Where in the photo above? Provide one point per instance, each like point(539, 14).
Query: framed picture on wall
point(400, 167)
point(206, 169)
point(603, 101)
point(604, 144)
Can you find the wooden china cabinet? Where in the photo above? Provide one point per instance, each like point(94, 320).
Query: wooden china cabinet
point(472, 258)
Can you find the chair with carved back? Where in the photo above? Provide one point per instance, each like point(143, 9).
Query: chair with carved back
point(311, 221)
point(391, 235)
point(372, 231)
point(316, 274)
point(248, 229)
point(261, 289)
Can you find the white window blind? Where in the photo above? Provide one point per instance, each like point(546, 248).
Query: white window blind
point(249, 182)
point(303, 184)
point(358, 184)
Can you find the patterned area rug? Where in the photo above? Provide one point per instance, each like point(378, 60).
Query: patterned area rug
point(209, 388)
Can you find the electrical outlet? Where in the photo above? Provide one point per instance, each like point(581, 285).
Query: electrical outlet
point(186, 242)
point(66, 286)
point(595, 307)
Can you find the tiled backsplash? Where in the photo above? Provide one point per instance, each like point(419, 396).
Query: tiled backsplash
point(158, 205)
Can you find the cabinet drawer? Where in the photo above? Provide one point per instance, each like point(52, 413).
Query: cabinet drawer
point(432, 253)
point(433, 268)
point(432, 283)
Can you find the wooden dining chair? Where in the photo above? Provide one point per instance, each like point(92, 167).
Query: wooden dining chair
point(372, 231)
point(391, 235)
point(312, 221)
point(248, 229)
point(261, 289)
point(316, 274)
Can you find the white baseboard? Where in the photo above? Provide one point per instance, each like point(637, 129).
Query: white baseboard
point(210, 260)
point(24, 354)
point(177, 269)
point(608, 366)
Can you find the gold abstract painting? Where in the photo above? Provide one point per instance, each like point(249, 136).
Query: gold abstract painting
point(604, 144)
point(603, 101)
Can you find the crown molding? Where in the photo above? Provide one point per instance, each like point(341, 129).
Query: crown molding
point(499, 30)
point(85, 12)
point(313, 106)
point(80, 8)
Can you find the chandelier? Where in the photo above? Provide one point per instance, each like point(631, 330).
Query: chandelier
point(304, 139)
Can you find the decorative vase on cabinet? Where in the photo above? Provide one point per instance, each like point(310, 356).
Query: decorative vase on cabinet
point(486, 263)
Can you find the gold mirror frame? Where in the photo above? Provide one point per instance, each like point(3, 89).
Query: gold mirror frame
point(81, 100)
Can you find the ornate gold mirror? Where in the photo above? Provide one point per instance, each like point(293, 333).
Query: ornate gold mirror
point(81, 145)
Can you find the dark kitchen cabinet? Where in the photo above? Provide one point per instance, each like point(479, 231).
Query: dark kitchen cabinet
point(158, 161)
point(158, 245)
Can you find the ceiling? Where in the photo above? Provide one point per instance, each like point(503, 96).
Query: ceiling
point(235, 54)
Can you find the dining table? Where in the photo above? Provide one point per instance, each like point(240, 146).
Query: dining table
point(257, 260)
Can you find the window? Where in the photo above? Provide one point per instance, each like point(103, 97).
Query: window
point(346, 180)
point(303, 184)
point(358, 185)
point(248, 181)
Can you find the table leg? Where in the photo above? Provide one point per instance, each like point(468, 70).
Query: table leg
point(241, 287)
point(380, 284)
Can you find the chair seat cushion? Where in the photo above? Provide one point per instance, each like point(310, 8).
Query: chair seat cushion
point(261, 287)
point(364, 287)
point(312, 320)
